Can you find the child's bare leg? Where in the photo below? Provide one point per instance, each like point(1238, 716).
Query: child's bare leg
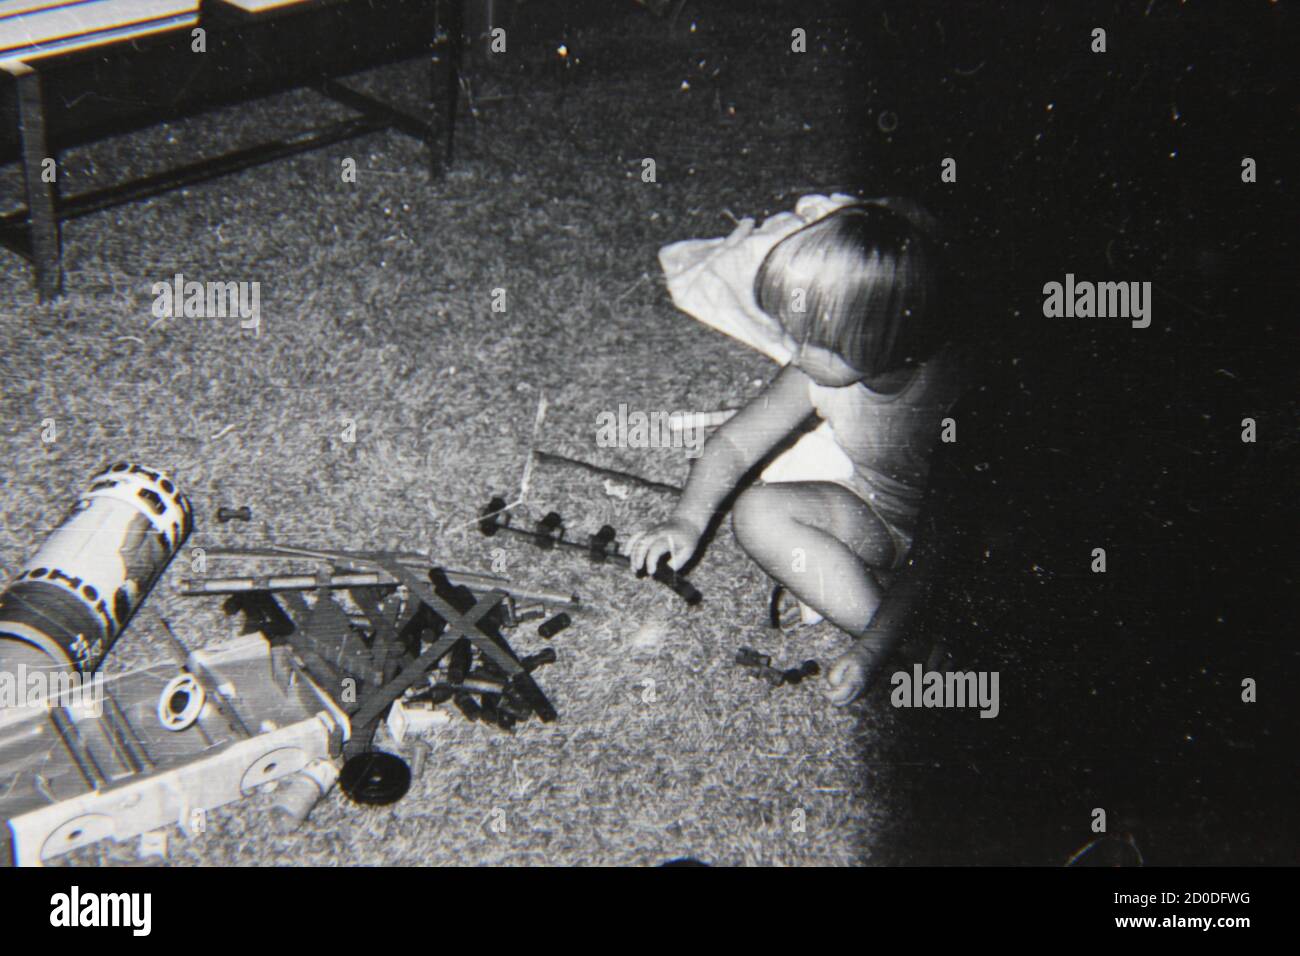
point(820, 541)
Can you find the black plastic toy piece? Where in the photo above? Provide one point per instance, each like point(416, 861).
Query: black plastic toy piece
point(375, 778)
point(555, 625)
point(600, 547)
point(808, 668)
point(458, 661)
point(543, 657)
point(550, 531)
point(600, 543)
point(760, 665)
point(467, 705)
point(779, 614)
point(774, 607)
point(532, 612)
point(502, 700)
point(491, 520)
point(684, 589)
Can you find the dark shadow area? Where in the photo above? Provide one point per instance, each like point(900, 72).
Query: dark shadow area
point(1122, 690)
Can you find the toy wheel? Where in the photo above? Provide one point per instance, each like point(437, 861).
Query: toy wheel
point(375, 778)
point(272, 766)
point(180, 702)
point(78, 832)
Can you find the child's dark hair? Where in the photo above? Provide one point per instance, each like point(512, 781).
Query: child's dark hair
point(863, 282)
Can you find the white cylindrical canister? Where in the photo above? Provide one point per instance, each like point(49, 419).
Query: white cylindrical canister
point(78, 591)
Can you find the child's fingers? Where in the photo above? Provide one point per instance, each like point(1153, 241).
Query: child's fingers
point(679, 556)
point(639, 549)
point(644, 550)
point(682, 551)
point(636, 551)
point(661, 545)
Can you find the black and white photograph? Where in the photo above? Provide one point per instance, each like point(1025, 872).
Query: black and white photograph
point(649, 434)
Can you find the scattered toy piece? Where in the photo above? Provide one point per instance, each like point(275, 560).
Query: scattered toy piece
point(468, 706)
point(760, 665)
point(785, 611)
point(234, 514)
point(375, 778)
point(808, 668)
point(549, 530)
point(529, 612)
point(543, 657)
point(419, 756)
point(555, 625)
point(601, 543)
point(411, 719)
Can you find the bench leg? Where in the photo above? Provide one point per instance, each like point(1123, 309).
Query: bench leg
point(444, 84)
point(42, 196)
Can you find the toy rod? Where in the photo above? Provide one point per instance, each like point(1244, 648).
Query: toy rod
point(481, 583)
point(599, 547)
point(190, 587)
point(548, 458)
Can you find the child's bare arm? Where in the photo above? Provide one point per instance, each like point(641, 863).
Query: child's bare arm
point(733, 450)
point(742, 442)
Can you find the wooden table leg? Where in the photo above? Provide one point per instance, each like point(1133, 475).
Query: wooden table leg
point(444, 84)
point(42, 195)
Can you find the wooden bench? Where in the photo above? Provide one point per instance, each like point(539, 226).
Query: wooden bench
point(76, 71)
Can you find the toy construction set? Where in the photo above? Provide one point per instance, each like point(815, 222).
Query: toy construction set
point(338, 651)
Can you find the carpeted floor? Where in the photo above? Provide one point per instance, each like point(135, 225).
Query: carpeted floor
point(376, 300)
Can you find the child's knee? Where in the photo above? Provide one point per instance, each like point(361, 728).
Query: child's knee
point(755, 513)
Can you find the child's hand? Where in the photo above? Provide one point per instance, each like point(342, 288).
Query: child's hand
point(675, 537)
point(854, 670)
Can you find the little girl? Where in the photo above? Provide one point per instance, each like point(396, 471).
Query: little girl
point(856, 295)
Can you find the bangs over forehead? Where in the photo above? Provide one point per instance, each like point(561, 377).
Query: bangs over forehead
point(860, 282)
